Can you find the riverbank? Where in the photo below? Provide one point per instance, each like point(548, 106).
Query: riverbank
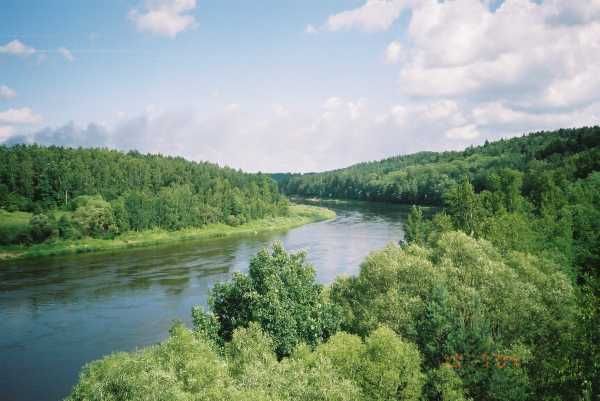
point(299, 215)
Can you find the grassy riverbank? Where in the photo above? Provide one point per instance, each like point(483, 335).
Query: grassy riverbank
point(298, 216)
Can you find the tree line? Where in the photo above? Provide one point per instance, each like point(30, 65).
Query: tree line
point(101, 192)
point(423, 178)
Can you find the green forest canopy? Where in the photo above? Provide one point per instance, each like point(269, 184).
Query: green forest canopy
point(101, 193)
point(423, 178)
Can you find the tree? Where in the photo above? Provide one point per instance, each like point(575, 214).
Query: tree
point(281, 294)
point(415, 227)
point(42, 227)
point(94, 217)
point(463, 206)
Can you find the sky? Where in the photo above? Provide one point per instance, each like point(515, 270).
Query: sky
point(291, 85)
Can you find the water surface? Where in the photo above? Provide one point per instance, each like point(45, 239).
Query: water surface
point(58, 313)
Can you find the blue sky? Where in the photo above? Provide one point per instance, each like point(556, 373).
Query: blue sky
point(290, 85)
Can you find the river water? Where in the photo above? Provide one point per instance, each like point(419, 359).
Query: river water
point(58, 313)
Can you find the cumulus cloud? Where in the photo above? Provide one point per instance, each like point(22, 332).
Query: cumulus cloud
point(66, 53)
point(6, 92)
point(534, 55)
point(527, 53)
point(472, 69)
point(337, 131)
point(374, 15)
point(17, 48)
point(164, 17)
point(12, 118)
point(22, 116)
point(466, 132)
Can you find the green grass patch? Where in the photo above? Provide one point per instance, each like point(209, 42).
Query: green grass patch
point(13, 225)
point(298, 216)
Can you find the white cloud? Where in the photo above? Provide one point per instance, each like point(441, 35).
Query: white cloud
point(6, 132)
point(232, 108)
point(22, 116)
point(332, 103)
point(393, 52)
point(6, 92)
point(66, 53)
point(338, 132)
point(17, 48)
point(310, 29)
point(526, 54)
point(465, 132)
point(374, 15)
point(164, 17)
point(280, 110)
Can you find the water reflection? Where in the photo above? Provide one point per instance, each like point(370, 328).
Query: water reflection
point(58, 313)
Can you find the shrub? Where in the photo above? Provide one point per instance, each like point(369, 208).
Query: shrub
point(42, 227)
point(281, 294)
point(95, 218)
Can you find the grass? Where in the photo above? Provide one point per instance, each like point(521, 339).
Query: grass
point(298, 216)
point(13, 224)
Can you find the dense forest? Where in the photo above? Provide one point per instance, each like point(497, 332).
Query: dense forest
point(495, 297)
point(423, 178)
point(101, 193)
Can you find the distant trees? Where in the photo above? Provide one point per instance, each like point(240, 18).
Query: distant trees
point(110, 192)
point(423, 178)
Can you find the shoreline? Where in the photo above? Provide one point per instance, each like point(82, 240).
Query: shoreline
point(299, 215)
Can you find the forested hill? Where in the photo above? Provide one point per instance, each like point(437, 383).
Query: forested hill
point(424, 177)
point(118, 191)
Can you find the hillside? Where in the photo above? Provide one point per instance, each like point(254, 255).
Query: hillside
point(102, 193)
point(424, 177)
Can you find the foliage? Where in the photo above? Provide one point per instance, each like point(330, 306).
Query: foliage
point(94, 217)
point(42, 227)
point(297, 215)
point(415, 226)
point(281, 294)
point(111, 192)
point(14, 227)
point(423, 178)
point(188, 367)
point(461, 297)
point(385, 367)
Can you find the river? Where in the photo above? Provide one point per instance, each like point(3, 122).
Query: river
point(58, 313)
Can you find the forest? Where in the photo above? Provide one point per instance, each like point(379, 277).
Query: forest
point(494, 297)
point(49, 193)
point(423, 178)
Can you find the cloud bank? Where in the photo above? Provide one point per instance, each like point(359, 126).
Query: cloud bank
point(337, 132)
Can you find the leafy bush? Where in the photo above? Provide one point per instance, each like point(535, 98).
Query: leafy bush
point(187, 367)
point(385, 367)
point(94, 217)
point(67, 229)
point(281, 294)
point(14, 227)
point(462, 297)
point(42, 227)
